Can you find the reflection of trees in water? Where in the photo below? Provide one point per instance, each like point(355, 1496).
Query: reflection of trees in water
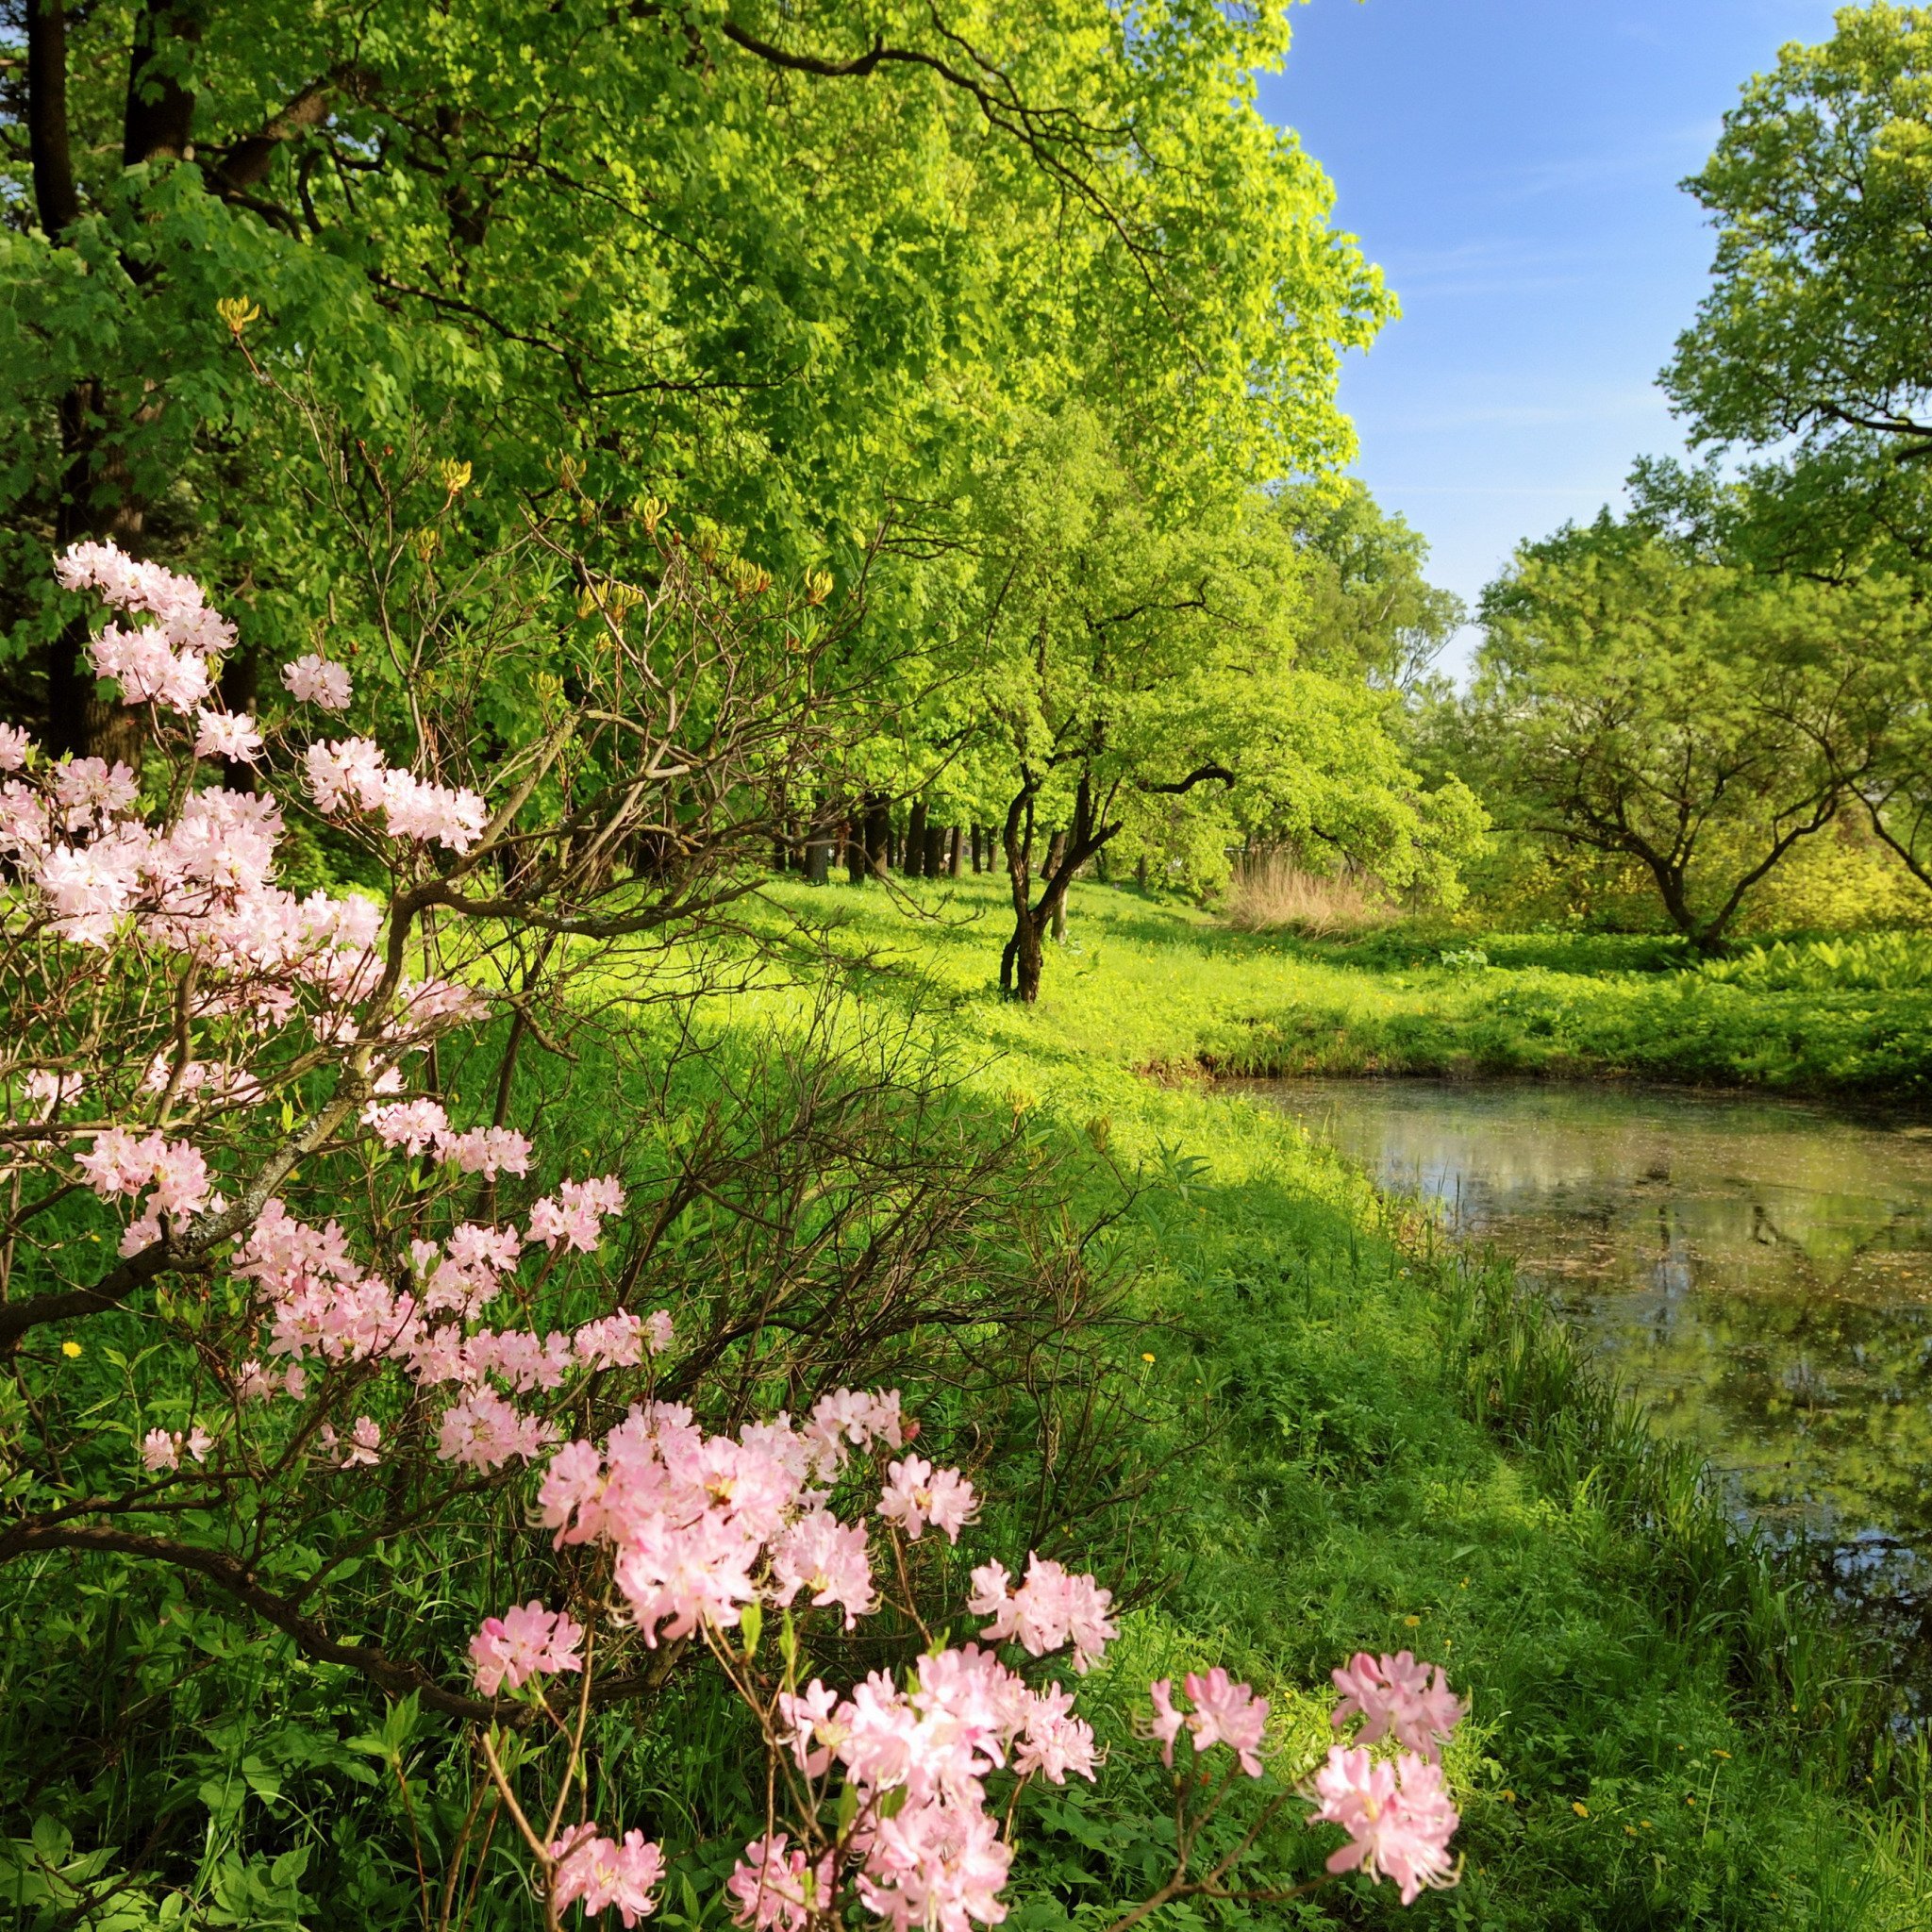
point(1762, 1272)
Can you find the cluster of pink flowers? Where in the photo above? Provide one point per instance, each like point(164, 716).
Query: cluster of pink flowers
point(703, 1524)
point(165, 662)
point(419, 1126)
point(917, 1494)
point(352, 772)
point(525, 1643)
point(314, 680)
point(933, 1857)
point(160, 1450)
point(1400, 1695)
point(1396, 1810)
point(1397, 1814)
point(600, 1872)
point(1223, 1713)
point(1053, 1607)
point(321, 1303)
point(124, 1163)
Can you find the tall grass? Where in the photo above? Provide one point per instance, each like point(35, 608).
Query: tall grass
point(1270, 892)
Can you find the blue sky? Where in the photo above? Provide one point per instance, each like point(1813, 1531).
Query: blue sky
point(1512, 164)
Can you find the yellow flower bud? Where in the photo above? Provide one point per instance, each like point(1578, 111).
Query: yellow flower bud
point(452, 475)
point(238, 311)
point(818, 586)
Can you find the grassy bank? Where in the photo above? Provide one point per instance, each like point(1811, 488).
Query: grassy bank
point(1370, 1446)
point(1165, 988)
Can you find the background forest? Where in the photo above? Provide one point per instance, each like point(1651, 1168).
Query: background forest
point(652, 657)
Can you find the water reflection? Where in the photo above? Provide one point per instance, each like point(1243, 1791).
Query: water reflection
point(1761, 1270)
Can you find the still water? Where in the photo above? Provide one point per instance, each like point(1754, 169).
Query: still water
point(1759, 1271)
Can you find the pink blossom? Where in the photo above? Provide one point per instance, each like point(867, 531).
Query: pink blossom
point(1227, 1713)
point(776, 1887)
point(1054, 1740)
point(315, 680)
point(414, 1125)
point(1397, 1815)
point(613, 1341)
point(572, 1216)
point(525, 1643)
point(657, 1331)
point(365, 1440)
point(199, 1443)
point(226, 735)
point(14, 747)
point(1052, 1607)
point(51, 1091)
point(573, 1483)
point(1396, 1693)
point(146, 590)
point(480, 1430)
point(346, 771)
point(857, 1417)
point(149, 668)
point(488, 1151)
point(1224, 1713)
point(602, 1872)
point(936, 1865)
point(827, 1557)
point(812, 1727)
point(916, 1495)
point(159, 1451)
point(676, 1577)
point(1167, 1722)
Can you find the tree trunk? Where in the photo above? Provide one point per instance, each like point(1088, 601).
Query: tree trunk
point(975, 851)
point(818, 857)
point(1141, 872)
point(857, 865)
point(954, 852)
point(96, 492)
point(914, 867)
point(935, 852)
point(878, 834)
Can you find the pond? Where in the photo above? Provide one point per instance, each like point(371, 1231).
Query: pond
point(1757, 1270)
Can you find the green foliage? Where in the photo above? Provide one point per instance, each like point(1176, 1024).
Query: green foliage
point(1882, 963)
point(1816, 320)
point(1692, 720)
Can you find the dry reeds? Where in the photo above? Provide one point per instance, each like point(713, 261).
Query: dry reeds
point(1270, 892)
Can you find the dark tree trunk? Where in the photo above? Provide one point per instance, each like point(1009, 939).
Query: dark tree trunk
point(1141, 872)
point(976, 852)
point(914, 867)
point(935, 852)
point(854, 836)
point(96, 494)
point(878, 834)
point(818, 859)
point(954, 851)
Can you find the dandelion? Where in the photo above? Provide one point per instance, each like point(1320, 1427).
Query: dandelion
point(1577, 1806)
point(1146, 1357)
point(1412, 1623)
point(70, 1349)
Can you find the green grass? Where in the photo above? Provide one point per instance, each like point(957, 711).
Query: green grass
point(1401, 1453)
point(1336, 1436)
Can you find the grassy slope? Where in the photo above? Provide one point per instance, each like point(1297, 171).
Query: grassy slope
point(1406, 1457)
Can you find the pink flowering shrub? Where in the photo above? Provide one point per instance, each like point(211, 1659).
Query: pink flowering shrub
point(888, 1795)
point(369, 1302)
